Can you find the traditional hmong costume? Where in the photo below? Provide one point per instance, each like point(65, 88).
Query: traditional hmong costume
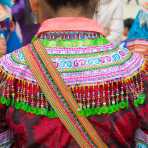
point(71, 87)
point(138, 42)
point(12, 37)
point(138, 35)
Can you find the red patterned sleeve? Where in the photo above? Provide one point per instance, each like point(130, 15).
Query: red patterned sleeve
point(144, 124)
point(2, 107)
point(5, 133)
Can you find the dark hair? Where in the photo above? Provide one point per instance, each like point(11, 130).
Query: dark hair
point(128, 23)
point(74, 3)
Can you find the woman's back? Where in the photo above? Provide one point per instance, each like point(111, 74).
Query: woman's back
point(106, 83)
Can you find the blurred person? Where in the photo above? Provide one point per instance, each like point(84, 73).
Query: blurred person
point(3, 45)
point(138, 42)
point(8, 28)
point(139, 31)
point(71, 87)
point(26, 19)
point(127, 26)
point(139, 28)
point(110, 14)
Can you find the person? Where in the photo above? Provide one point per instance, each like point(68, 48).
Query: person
point(139, 28)
point(8, 28)
point(112, 19)
point(23, 15)
point(2, 44)
point(71, 87)
point(138, 33)
point(127, 26)
point(137, 39)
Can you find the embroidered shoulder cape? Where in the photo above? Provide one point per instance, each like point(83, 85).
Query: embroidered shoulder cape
point(104, 79)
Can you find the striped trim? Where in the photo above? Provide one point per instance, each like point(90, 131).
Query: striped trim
point(68, 98)
point(74, 43)
point(97, 66)
point(55, 101)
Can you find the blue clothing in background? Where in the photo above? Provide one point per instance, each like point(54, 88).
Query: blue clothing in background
point(12, 39)
point(8, 3)
point(13, 42)
point(139, 28)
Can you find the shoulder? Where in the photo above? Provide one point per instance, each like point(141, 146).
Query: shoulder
point(15, 64)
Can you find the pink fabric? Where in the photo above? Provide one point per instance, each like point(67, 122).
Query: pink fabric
point(70, 24)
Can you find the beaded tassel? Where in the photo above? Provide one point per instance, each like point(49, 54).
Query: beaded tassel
point(78, 96)
point(108, 94)
point(98, 101)
point(21, 91)
point(122, 91)
point(126, 90)
point(141, 83)
point(117, 92)
point(87, 95)
point(112, 93)
point(93, 97)
point(18, 91)
point(83, 97)
point(32, 95)
point(27, 93)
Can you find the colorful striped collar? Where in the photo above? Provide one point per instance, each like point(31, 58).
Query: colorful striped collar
point(70, 24)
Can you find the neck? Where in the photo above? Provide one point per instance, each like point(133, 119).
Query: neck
point(62, 12)
point(70, 12)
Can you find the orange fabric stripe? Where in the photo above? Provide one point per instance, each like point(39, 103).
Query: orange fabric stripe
point(50, 96)
point(68, 95)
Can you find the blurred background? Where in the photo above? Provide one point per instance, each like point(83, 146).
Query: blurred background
point(131, 9)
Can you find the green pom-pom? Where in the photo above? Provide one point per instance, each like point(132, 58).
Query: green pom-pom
point(88, 112)
point(54, 114)
point(111, 109)
point(140, 101)
point(98, 110)
point(8, 102)
point(51, 114)
point(44, 111)
point(123, 105)
point(81, 113)
point(25, 107)
point(104, 110)
point(38, 111)
point(32, 110)
point(135, 103)
point(28, 108)
point(116, 107)
point(142, 96)
point(18, 105)
point(3, 100)
point(92, 111)
point(35, 111)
